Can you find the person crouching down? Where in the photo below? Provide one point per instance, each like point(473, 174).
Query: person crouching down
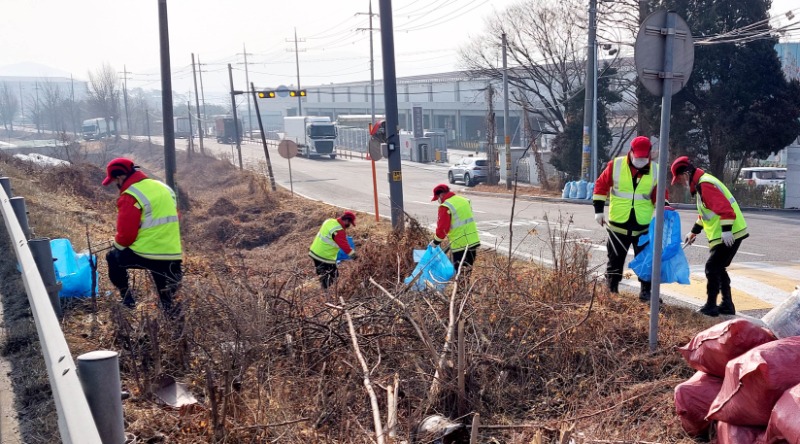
point(148, 234)
point(331, 238)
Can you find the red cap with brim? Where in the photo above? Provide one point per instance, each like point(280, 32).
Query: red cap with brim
point(117, 167)
point(640, 147)
point(438, 189)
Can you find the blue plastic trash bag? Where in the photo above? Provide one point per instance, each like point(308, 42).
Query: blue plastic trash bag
point(418, 255)
point(341, 255)
point(567, 190)
point(589, 191)
point(674, 266)
point(573, 192)
point(581, 194)
point(72, 270)
point(434, 270)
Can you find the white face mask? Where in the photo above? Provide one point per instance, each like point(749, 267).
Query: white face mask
point(640, 162)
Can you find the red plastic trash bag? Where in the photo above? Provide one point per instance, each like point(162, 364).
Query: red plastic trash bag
point(754, 382)
point(712, 348)
point(735, 434)
point(693, 398)
point(784, 424)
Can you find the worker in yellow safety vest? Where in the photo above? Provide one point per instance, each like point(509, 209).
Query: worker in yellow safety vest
point(631, 181)
point(722, 220)
point(331, 238)
point(148, 234)
point(456, 222)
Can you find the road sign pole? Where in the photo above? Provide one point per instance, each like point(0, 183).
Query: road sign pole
point(663, 159)
point(291, 182)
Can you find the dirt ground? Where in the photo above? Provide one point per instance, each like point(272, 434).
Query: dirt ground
point(270, 357)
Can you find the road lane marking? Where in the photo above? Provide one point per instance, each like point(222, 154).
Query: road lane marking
point(774, 280)
point(752, 254)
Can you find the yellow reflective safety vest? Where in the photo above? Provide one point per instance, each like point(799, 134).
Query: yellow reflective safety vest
point(624, 196)
point(324, 248)
point(712, 224)
point(463, 232)
point(159, 234)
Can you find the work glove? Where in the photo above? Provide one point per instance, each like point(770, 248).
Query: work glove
point(727, 238)
point(689, 239)
point(352, 255)
point(600, 219)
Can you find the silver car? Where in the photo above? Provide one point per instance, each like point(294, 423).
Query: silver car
point(469, 170)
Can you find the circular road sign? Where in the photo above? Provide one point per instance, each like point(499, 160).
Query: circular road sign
point(282, 91)
point(287, 149)
point(375, 149)
point(649, 53)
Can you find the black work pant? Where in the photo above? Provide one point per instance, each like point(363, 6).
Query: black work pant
point(469, 259)
point(716, 269)
point(327, 273)
point(618, 245)
point(167, 275)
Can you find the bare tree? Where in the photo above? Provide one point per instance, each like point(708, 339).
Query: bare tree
point(104, 95)
point(548, 48)
point(52, 108)
point(8, 107)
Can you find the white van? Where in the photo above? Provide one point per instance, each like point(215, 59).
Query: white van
point(763, 176)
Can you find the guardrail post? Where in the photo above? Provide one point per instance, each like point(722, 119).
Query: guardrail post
point(18, 204)
point(99, 374)
point(43, 256)
point(6, 183)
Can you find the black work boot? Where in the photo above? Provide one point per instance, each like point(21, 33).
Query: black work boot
point(613, 286)
point(727, 307)
point(644, 295)
point(710, 309)
point(128, 299)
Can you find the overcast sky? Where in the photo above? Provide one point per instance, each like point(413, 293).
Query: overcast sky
point(80, 35)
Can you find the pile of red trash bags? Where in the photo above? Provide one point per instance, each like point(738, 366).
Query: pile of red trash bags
point(747, 386)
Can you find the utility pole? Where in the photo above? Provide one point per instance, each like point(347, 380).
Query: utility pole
point(297, 64)
point(235, 118)
point(372, 107)
point(191, 131)
point(247, 79)
point(21, 104)
point(505, 113)
point(490, 137)
point(125, 100)
point(166, 96)
point(147, 125)
point(202, 91)
point(36, 109)
point(72, 105)
point(197, 106)
point(591, 75)
point(593, 169)
point(390, 101)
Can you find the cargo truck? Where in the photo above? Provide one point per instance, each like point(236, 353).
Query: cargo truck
point(97, 128)
point(182, 126)
point(225, 131)
point(315, 136)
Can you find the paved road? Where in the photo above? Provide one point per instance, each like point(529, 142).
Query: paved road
point(765, 271)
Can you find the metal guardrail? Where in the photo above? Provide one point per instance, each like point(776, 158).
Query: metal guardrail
point(75, 421)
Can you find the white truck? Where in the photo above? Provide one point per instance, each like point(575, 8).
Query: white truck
point(97, 128)
point(315, 136)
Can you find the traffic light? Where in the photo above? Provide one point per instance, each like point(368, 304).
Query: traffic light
point(295, 93)
point(266, 94)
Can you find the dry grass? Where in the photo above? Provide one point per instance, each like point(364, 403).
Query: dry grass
point(268, 354)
